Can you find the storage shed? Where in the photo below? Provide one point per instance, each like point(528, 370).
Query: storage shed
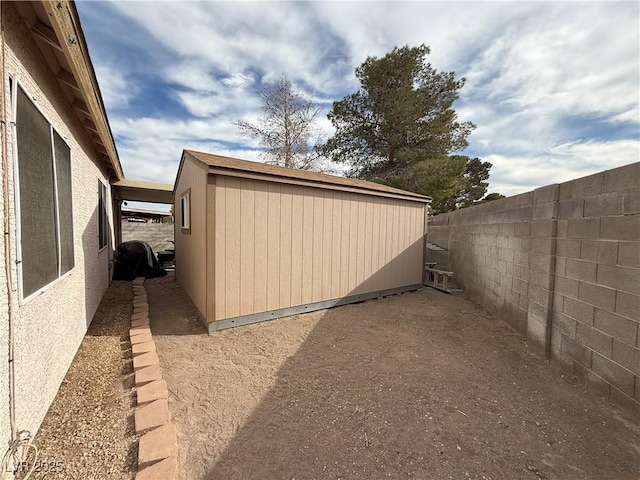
point(256, 242)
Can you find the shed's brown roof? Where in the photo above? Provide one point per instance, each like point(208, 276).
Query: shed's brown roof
point(234, 164)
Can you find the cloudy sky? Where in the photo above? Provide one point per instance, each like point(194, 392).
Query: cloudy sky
point(554, 88)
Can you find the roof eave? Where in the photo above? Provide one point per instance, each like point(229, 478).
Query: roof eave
point(65, 22)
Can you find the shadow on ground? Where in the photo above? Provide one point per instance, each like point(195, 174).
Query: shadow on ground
point(420, 385)
point(170, 309)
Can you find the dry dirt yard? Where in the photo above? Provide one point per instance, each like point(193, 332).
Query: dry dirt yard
point(422, 385)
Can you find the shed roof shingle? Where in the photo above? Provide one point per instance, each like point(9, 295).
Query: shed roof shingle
point(219, 161)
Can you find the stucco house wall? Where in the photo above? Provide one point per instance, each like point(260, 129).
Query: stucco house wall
point(48, 328)
point(4, 314)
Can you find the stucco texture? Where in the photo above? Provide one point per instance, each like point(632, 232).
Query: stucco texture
point(49, 328)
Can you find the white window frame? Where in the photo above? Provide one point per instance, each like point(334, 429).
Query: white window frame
point(185, 211)
point(103, 215)
point(14, 86)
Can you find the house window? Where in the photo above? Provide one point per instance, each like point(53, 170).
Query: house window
point(44, 210)
point(185, 212)
point(103, 222)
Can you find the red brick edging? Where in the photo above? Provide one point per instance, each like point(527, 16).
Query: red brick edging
point(158, 445)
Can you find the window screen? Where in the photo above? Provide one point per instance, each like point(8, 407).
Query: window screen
point(65, 209)
point(39, 244)
point(102, 215)
point(44, 180)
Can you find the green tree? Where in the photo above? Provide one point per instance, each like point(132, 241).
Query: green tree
point(440, 178)
point(492, 196)
point(287, 131)
point(475, 178)
point(400, 124)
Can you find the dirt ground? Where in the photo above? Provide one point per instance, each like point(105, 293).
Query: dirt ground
point(420, 385)
point(88, 432)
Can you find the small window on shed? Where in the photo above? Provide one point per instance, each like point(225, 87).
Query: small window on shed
point(185, 212)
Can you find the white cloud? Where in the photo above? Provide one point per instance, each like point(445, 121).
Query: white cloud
point(191, 74)
point(522, 88)
point(451, 29)
point(591, 156)
point(632, 115)
point(545, 82)
point(517, 174)
point(224, 102)
point(115, 88)
point(238, 80)
point(550, 69)
point(239, 37)
point(204, 96)
point(150, 148)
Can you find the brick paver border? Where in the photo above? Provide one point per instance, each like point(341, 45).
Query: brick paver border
point(158, 444)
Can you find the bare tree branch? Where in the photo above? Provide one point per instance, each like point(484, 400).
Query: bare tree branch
point(287, 131)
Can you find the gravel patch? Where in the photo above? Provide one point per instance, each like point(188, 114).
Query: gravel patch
point(88, 431)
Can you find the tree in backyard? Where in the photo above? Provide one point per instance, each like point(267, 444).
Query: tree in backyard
point(399, 128)
point(287, 130)
point(475, 178)
point(440, 178)
point(492, 196)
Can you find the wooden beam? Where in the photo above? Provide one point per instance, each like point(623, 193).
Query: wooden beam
point(107, 160)
point(46, 34)
point(81, 106)
point(97, 140)
point(89, 125)
point(68, 79)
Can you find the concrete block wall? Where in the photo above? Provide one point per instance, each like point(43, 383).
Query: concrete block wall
point(155, 234)
point(596, 308)
point(488, 251)
point(561, 265)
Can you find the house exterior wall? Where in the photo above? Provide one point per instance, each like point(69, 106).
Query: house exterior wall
point(279, 245)
point(190, 251)
point(49, 328)
point(5, 430)
point(561, 264)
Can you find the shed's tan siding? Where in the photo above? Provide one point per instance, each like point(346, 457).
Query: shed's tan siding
point(279, 245)
point(190, 248)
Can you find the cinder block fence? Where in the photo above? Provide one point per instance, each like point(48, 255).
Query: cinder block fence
point(561, 265)
point(155, 234)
